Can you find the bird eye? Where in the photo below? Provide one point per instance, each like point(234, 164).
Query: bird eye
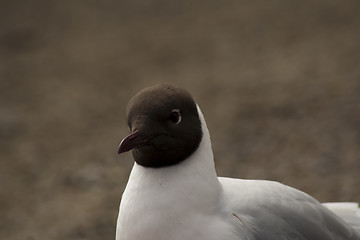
point(175, 116)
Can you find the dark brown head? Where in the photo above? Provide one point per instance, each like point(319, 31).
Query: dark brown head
point(165, 126)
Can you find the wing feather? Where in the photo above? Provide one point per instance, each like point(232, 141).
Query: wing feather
point(273, 211)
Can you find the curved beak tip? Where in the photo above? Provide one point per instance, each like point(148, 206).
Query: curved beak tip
point(132, 141)
point(121, 148)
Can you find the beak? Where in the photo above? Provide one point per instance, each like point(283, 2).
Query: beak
point(134, 140)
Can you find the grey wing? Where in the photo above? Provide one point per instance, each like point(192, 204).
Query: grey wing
point(309, 222)
point(265, 210)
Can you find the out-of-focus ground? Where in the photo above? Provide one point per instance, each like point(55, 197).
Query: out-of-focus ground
point(278, 82)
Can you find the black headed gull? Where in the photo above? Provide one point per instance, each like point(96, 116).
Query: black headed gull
point(173, 192)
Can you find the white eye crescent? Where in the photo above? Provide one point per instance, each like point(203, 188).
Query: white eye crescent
point(175, 116)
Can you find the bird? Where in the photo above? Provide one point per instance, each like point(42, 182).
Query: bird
point(174, 193)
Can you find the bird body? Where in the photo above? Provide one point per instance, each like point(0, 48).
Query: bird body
point(175, 198)
point(184, 198)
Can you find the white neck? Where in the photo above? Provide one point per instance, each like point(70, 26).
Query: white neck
point(170, 191)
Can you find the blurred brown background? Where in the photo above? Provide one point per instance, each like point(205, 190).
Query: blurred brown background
point(278, 82)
